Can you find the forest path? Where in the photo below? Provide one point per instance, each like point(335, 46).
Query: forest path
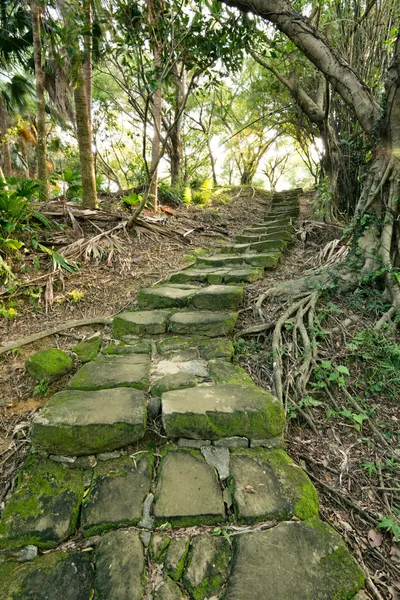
point(219, 510)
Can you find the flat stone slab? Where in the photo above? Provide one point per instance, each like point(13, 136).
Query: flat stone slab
point(266, 484)
point(214, 412)
point(208, 566)
point(218, 297)
point(302, 561)
point(175, 557)
point(66, 575)
point(113, 371)
point(117, 493)
point(203, 323)
point(44, 509)
point(120, 566)
point(168, 590)
point(219, 275)
point(187, 490)
point(76, 423)
point(147, 322)
point(259, 260)
point(165, 296)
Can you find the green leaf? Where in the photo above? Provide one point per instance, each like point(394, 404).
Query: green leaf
point(326, 364)
point(342, 369)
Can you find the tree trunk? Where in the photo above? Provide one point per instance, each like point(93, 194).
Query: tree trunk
point(5, 146)
point(212, 163)
point(87, 62)
point(84, 134)
point(40, 101)
point(154, 8)
point(176, 131)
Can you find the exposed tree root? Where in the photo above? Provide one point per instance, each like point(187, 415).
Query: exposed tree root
point(53, 330)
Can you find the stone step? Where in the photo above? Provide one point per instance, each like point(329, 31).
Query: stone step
point(75, 423)
point(214, 297)
point(267, 260)
point(210, 324)
point(261, 236)
point(219, 411)
point(281, 222)
point(268, 229)
point(255, 246)
point(148, 322)
point(218, 275)
point(113, 371)
point(298, 560)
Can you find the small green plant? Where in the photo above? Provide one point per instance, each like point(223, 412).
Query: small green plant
point(357, 419)
point(8, 312)
point(391, 524)
point(225, 531)
point(41, 388)
point(370, 467)
point(133, 199)
point(325, 373)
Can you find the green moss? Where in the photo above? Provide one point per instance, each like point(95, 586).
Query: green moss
point(340, 565)
point(216, 573)
point(222, 372)
point(158, 545)
point(50, 364)
point(139, 348)
point(216, 348)
point(88, 349)
point(175, 560)
point(176, 381)
point(173, 344)
point(44, 509)
point(89, 439)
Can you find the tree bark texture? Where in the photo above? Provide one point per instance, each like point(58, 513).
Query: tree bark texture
point(87, 61)
point(5, 145)
point(176, 131)
point(40, 101)
point(84, 134)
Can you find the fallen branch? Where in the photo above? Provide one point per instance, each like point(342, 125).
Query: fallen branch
point(53, 330)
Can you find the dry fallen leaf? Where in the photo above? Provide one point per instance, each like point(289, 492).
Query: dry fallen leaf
point(249, 489)
point(375, 538)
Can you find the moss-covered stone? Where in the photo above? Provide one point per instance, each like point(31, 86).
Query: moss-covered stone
point(216, 412)
point(78, 423)
point(211, 324)
point(165, 296)
point(120, 566)
point(208, 566)
point(174, 562)
point(187, 490)
point(112, 372)
point(88, 349)
point(117, 493)
point(282, 490)
point(138, 348)
point(216, 348)
point(175, 381)
point(50, 364)
point(158, 545)
point(44, 509)
point(148, 322)
point(218, 297)
point(300, 560)
point(67, 575)
point(168, 590)
point(222, 372)
point(169, 344)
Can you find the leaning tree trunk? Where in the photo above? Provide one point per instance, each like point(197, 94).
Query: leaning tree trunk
point(84, 134)
point(41, 107)
point(212, 162)
point(5, 146)
point(87, 62)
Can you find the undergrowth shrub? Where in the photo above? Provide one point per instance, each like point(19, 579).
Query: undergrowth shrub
point(377, 354)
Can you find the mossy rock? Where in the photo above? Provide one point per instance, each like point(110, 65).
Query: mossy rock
point(174, 381)
point(66, 575)
point(216, 348)
point(208, 566)
point(50, 364)
point(174, 562)
point(286, 490)
point(88, 349)
point(44, 509)
point(222, 372)
point(295, 560)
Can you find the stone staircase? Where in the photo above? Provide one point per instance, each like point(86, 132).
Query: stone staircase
point(220, 511)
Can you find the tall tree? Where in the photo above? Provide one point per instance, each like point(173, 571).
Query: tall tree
point(40, 100)
point(378, 117)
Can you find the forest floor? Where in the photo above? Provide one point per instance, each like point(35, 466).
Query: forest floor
point(355, 472)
